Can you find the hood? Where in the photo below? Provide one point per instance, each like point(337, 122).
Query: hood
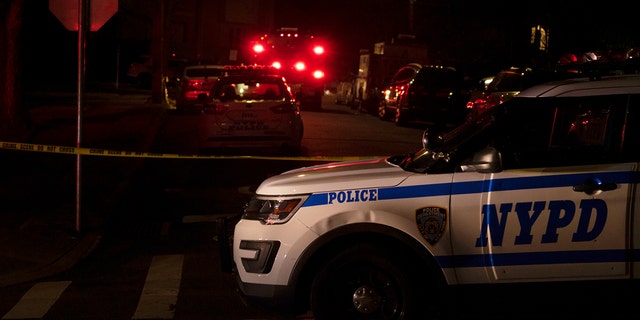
point(334, 176)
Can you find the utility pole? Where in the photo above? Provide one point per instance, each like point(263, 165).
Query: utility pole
point(158, 52)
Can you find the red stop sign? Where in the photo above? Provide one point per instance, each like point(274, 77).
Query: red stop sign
point(67, 12)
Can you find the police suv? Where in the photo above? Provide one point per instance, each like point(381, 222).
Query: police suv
point(539, 189)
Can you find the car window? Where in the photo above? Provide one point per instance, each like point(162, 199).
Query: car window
point(249, 90)
point(404, 74)
point(439, 78)
point(631, 141)
point(552, 132)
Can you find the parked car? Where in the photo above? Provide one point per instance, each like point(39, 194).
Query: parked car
point(252, 108)
point(507, 83)
point(196, 80)
point(539, 190)
point(435, 95)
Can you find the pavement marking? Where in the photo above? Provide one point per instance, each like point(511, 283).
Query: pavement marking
point(38, 300)
point(160, 293)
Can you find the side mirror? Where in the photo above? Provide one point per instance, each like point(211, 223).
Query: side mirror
point(487, 160)
point(431, 141)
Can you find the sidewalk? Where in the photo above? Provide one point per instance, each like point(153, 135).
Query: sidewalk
point(38, 236)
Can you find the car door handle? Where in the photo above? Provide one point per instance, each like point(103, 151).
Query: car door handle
point(591, 186)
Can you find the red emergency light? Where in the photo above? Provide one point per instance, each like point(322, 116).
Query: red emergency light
point(318, 74)
point(258, 48)
point(300, 66)
point(318, 50)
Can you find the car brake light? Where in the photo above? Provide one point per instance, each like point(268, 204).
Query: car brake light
point(470, 104)
point(300, 66)
point(216, 108)
point(318, 74)
point(276, 64)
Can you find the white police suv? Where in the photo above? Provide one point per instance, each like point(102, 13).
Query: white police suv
point(542, 188)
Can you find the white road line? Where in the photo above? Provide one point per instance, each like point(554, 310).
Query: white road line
point(37, 301)
point(160, 293)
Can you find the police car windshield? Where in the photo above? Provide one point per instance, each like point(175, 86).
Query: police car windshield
point(453, 146)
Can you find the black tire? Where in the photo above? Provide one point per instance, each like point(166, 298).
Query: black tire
point(365, 281)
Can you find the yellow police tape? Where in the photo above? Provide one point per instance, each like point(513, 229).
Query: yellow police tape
point(116, 153)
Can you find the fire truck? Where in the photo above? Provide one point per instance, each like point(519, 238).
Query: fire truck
point(300, 58)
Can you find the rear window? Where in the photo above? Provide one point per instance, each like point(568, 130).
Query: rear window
point(249, 90)
point(439, 78)
point(404, 74)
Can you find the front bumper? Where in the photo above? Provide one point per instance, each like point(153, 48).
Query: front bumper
point(266, 295)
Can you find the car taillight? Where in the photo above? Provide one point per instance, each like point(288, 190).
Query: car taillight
point(470, 104)
point(191, 84)
point(482, 104)
point(217, 108)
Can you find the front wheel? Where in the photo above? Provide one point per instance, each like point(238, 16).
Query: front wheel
point(365, 281)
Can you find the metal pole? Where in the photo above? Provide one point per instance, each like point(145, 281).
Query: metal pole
point(83, 17)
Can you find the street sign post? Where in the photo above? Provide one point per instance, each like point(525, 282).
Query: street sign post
point(67, 12)
point(81, 15)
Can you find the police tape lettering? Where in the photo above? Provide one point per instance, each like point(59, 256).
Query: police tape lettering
point(105, 152)
point(354, 196)
point(560, 215)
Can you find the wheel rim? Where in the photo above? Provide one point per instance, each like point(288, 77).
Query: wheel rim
point(367, 299)
point(361, 284)
point(376, 292)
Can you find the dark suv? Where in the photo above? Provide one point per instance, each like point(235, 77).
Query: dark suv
point(434, 95)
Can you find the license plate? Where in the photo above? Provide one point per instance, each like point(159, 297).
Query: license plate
point(248, 125)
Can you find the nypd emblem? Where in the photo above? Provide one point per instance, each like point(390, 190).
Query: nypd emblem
point(431, 222)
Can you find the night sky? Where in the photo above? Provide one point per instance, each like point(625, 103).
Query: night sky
point(469, 31)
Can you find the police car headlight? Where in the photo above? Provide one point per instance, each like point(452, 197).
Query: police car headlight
point(276, 210)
